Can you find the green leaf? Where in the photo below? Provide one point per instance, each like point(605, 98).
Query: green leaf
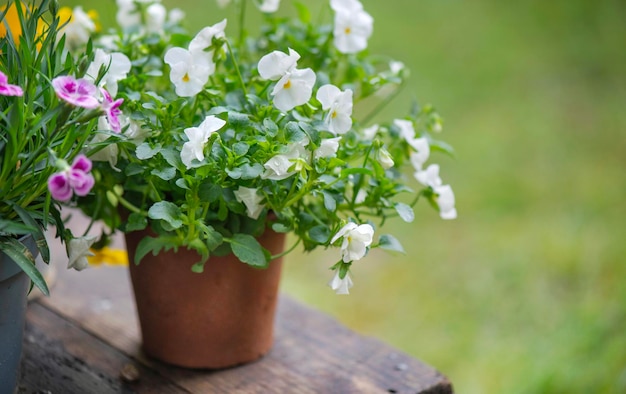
point(133, 169)
point(145, 151)
point(294, 133)
point(198, 267)
point(180, 182)
point(270, 127)
point(166, 174)
point(303, 12)
point(281, 228)
point(246, 171)
point(320, 234)
point(172, 157)
point(37, 233)
point(213, 237)
point(136, 221)
point(389, 242)
point(25, 260)
point(238, 120)
point(241, 148)
point(208, 192)
point(167, 211)
point(329, 202)
point(147, 245)
point(405, 212)
point(248, 250)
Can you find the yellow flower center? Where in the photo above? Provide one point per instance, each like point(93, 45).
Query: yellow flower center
point(186, 78)
point(287, 84)
point(333, 114)
point(347, 30)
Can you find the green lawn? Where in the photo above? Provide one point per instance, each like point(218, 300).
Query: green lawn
point(525, 292)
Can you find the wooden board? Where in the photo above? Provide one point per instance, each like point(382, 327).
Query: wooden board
point(79, 339)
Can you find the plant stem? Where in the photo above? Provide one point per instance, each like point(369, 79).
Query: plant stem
point(286, 251)
point(234, 59)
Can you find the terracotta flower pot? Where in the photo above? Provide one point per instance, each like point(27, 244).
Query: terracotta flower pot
point(220, 318)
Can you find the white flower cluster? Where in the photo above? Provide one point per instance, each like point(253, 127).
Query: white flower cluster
point(430, 175)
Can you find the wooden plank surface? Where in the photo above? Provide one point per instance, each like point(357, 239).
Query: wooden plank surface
point(79, 339)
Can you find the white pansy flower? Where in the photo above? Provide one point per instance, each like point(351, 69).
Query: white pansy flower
point(429, 176)
point(406, 128)
point(204, 38)
point(252, 201)
point(328, 148)
point(277, 168)
point(134, 131)
point(190, 71)
point(78, 29)
point(341, 286)
point(346, 5)
point(117, 66)
point(127, 14)
point(353, 27)
point(396, 67)
point(78, 250)
point(385, 159)
point(421, 154)
point(339, 106)
point(176, 15)
point(294, 87)
point(198, 137)
point(445, 201)
point(156, 15)
point(370, 132)
point(269, 6)
point(356, 239)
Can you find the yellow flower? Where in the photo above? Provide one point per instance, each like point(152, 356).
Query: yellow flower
point(11, 21)
point(108, 256)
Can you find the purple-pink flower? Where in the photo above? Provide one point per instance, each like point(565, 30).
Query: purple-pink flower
point(6, 89)
point(78, 92)
point(74, 179)
point(112, 110)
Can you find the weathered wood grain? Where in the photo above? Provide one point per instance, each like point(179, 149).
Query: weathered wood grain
point(60, 357)
point(313, 353)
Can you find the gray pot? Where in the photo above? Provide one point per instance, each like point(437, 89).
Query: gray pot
point(14, 285)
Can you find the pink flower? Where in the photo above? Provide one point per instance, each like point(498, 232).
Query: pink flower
point(78, 92)
point(74, 179)
point(7, 89)
point(112, 110)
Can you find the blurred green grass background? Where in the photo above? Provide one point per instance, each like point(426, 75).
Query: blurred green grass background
point(525, 292)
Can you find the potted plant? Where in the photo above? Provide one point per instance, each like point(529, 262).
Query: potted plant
point(48, 117)
point(229, 142)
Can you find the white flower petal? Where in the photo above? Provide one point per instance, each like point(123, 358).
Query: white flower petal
point(328, 148)
point(269, 6)
point(204, 38)
point(341, 286)
point(78, 250)
point(446, 202)
point(252, 201)
point(276, 64)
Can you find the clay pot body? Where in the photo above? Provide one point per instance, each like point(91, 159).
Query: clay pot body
point(219, 318)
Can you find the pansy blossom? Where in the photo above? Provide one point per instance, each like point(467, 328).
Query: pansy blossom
point(339, 106)
point(339, 285)
point(294, 86)
point(198, 137)
point(353, 26)
point(356, 239)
